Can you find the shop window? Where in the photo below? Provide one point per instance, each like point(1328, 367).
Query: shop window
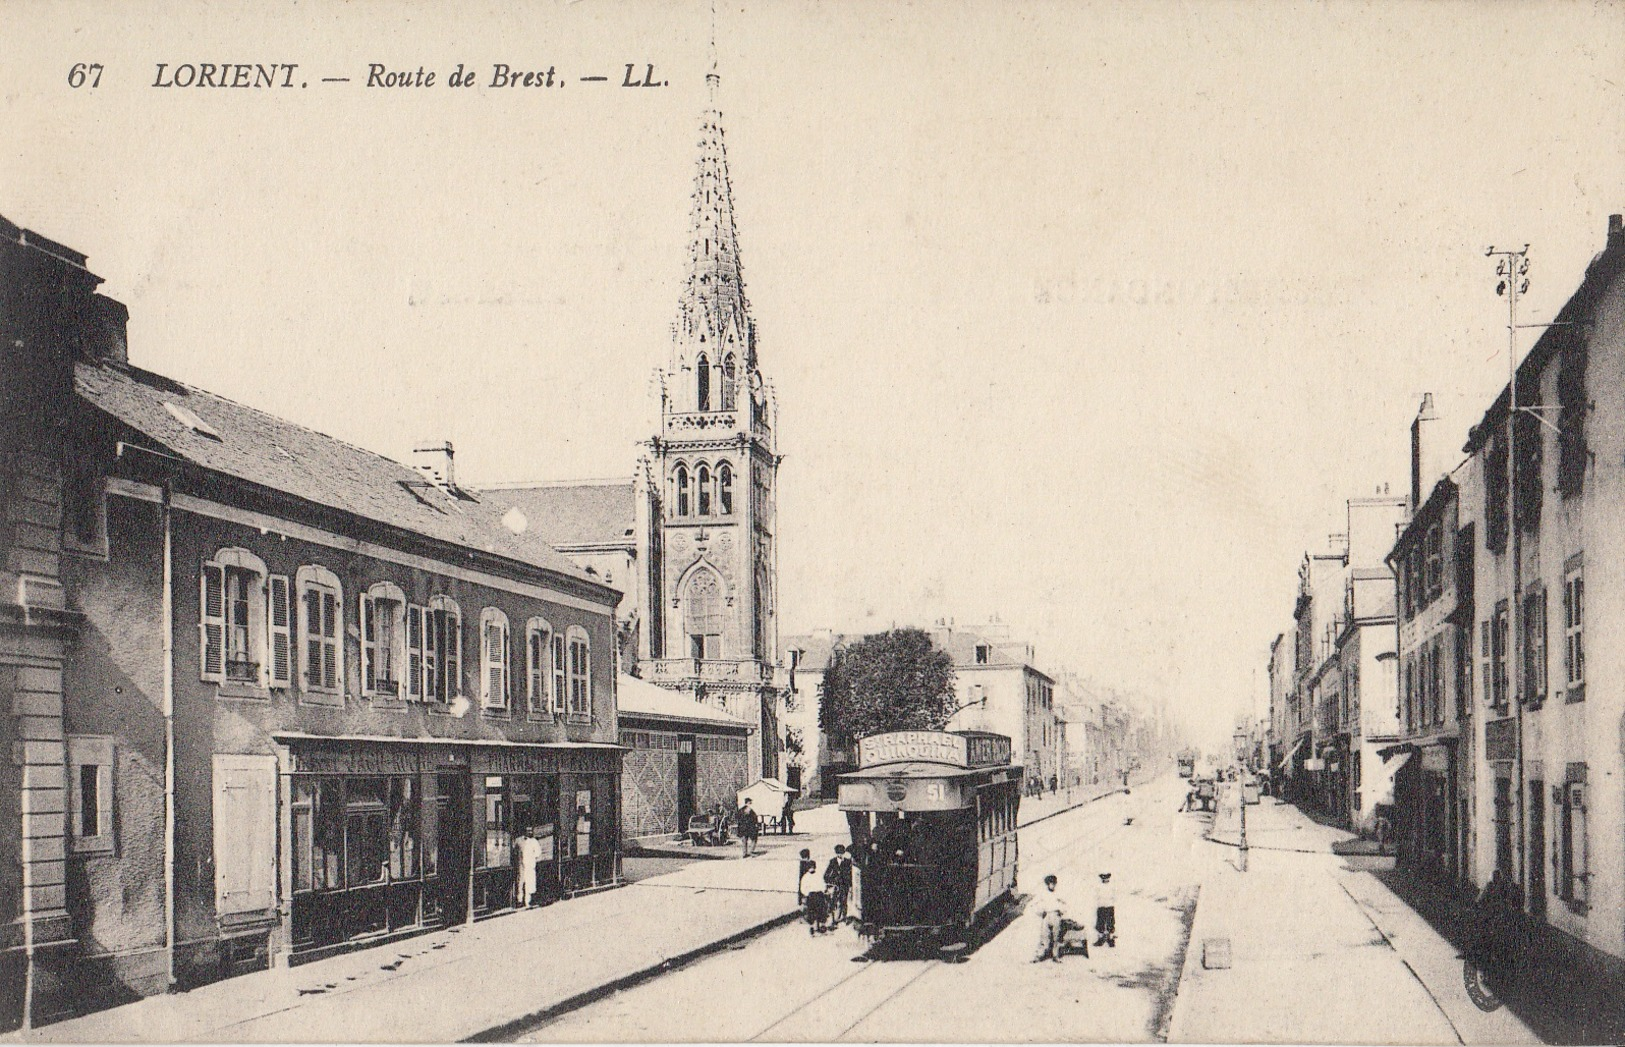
point(90, 794)
point(366, 831)
point(321, 629)
point(383, 641)
point(1534, 647)
point(538, 675)
point(494, 658)
point(583, 823)
point(580, 675)
point(1574, 656)
point(498, 824)
point(403, 828)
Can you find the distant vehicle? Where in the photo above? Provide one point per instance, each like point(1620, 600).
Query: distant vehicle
point(933, 816)
point(1207, 793)
point(1187, 763)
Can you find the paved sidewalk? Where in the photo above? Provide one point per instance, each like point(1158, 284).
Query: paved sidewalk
point(467, 981)
point(478, 980)
point(1314, 946)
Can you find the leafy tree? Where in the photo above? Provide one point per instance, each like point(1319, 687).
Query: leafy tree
point(892, 681)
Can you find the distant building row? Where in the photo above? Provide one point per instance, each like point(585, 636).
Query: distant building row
point(1488, 706)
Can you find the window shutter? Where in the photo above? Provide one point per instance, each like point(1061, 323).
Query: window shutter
point(559, 681)
point(490, 651)
point(330, 641)
point(212, 623)
point(369, 644)
point(279, 625)
point(454, 656)
point(1582, 846)
point(414, 653)
point(244, 834)
point(538, 670)
point(104, 796)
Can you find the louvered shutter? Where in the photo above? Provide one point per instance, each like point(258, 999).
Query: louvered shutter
point(560, 685)
point(279, 625)
point(538, 678)
point(330, 645)
point(414, 653)
point(454, 655)
point(369, 644)
point(212, 623)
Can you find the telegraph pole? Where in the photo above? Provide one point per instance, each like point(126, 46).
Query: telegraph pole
point(1513, 271)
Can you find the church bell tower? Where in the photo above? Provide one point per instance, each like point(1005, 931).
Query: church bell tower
point(716, 633)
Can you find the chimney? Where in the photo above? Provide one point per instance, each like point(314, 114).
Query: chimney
point(434, 461)
point(1424, 455)
point(103, 331)
point(1616, 229)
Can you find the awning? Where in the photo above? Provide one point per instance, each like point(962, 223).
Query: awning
point(1384, 791)
point(1286, 761)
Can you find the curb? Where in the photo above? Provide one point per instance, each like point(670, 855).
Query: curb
point(511, 1030)
point(1193, 950)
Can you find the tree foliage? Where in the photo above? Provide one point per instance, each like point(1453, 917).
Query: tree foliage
point(892, 681)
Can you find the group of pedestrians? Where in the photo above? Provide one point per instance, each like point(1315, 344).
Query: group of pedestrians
point(1060, 914)
point(825, 898)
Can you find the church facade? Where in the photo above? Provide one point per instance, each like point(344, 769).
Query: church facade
point(690, 536)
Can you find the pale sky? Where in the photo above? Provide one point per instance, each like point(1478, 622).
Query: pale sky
point(1087, 315)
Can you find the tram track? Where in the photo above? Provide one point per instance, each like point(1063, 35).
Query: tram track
point(875, 969)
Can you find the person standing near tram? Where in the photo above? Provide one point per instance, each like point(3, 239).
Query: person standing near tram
point(838, 878)
point(749, 825)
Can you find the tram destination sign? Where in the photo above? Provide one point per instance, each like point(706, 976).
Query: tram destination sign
point(958, 750)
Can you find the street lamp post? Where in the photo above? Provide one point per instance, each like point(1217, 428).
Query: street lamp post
point(1241, 801)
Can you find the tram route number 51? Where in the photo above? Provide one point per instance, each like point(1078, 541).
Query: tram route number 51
point(84, 73)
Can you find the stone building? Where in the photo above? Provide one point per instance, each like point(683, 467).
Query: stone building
point(1549, 607)
point(311, 698)
point(691, 536)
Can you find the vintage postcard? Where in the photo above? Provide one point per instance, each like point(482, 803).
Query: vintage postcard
point(786, 520)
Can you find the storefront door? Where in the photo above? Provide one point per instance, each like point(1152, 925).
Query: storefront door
point(685, 781)
point(452, 846)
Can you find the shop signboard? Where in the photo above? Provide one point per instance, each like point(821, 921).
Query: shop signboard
point(1501, 740)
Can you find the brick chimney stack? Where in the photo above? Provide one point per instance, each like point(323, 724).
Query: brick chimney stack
point(436, 463)
point(1424, 453)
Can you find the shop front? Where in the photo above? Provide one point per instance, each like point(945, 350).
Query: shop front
point(387, 839)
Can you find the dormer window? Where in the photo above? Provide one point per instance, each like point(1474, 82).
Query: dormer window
point(982, 652)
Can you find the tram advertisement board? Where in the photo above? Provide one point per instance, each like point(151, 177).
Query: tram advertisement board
point(902, 794)
point(977, 749)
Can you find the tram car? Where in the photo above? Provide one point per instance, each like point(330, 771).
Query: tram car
point(933, 818)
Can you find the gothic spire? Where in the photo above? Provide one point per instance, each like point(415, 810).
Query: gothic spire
point(712, 309)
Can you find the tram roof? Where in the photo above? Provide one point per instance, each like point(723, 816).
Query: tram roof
point(924, 769)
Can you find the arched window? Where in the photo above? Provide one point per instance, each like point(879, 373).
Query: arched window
point(243, 630)
point(702, 614)
point(442, 649)
point(321, 629)
point(580, 674)
point(383, 636)
point(725, 489)
point(702, 383)
point(538, 655)
point(702, 479)
point(730, 375)
point(680, 482)
point(494, 658)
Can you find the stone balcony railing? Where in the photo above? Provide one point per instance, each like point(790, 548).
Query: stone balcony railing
point(710, 670)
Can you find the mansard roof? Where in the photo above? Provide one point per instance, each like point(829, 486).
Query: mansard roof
point(576, 513)
point(225, 437)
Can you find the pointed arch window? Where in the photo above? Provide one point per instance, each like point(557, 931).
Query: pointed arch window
point(702, 383)
point(702, 480)
point(679, 479)
point(725, 489)
point(702, 614)
point(730, 375)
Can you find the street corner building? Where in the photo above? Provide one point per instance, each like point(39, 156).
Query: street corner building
point(268, 695)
